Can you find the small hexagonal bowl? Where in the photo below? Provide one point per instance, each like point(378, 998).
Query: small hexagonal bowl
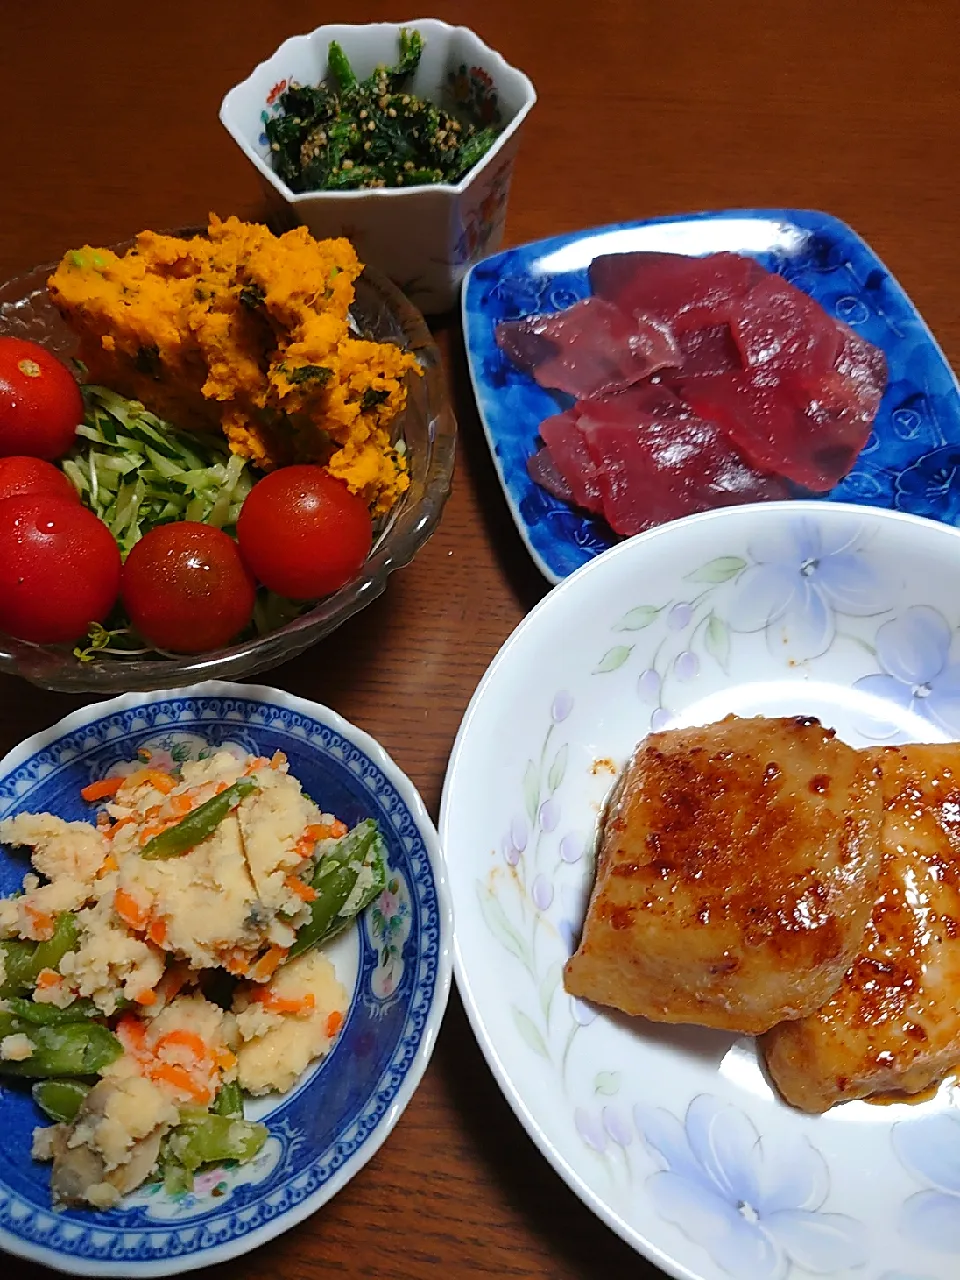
point(424, 238)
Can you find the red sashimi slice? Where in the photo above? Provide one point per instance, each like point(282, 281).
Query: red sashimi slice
point(543, 471)
point(809, 430)
point(683, 292)
point(654, 466)
point(778, 327)
point(589, 349)
point(705, 351)
point(569, 454)
point(864, 366)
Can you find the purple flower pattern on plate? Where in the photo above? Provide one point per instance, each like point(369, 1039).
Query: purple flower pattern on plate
point(917, 674)
point(758, 1212)
point(801, 578)
point(929, 1148)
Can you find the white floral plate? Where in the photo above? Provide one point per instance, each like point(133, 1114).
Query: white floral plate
point(672, 1135)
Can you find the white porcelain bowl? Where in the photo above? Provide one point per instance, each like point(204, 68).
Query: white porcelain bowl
point(424, 238)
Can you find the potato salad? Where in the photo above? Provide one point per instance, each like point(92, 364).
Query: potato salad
point(161, 962)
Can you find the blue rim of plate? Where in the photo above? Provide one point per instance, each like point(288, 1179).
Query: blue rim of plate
point(911, 461)
point(328, 1126)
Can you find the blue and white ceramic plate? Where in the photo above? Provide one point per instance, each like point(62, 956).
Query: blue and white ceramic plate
point(911, 459)
point(396, 962)
point(673, 1135)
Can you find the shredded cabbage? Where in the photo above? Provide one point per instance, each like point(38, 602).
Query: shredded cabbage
point(136, 471)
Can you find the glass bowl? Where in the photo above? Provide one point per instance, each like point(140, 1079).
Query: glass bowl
point(427, 426)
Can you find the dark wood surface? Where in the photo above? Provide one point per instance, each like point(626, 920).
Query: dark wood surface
point(110, 112)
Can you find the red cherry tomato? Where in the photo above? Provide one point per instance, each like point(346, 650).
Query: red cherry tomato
point(20, 475)
point(59, 568)
point(186, 589)
point(40, 402)
point(302, 533)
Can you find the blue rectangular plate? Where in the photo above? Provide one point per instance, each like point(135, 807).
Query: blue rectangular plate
point(911, 461)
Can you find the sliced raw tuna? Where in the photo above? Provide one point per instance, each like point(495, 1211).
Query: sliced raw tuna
point(655, 461)
point(569, 454)
point(705, 351)
point(777, 326)
point(589, 349)
point(544, 471)
point(809, 429)
point(864, 365)
point(683, 292)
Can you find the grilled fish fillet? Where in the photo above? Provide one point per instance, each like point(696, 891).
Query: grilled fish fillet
point(894, 1022)
point(737, 869)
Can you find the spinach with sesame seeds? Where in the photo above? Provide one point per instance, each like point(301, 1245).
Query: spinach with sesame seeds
point(347, 134)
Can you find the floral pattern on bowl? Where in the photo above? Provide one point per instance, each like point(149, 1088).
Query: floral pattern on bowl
point(340, 1111)
point(673, 1134)
point(911, 459)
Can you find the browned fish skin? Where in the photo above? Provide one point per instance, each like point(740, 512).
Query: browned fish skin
point(737, 869)
point(894, 1023)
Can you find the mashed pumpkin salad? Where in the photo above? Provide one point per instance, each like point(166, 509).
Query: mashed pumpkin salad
point(161, 962)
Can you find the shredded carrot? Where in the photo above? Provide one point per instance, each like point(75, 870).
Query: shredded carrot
point(129, 910)
point(334, 1023)
point(157, 931)
point(150, 830)
point(105, 787)
point(305, 892)
point(120, 822)
point(237, 962)
point(277, 759)
point(146, 998)
point(180, 805)
point(259, 762)
point(226, 1060)
point(338, 829)
point(47, 978)
point(221, 786)
point(157, 779)
point(267, 964)
point(41, 922)
point(108, 864)
point(133, 1034)
point(282, 1004)
point(171, 982)
point(173, 1074)
point(187, 1040)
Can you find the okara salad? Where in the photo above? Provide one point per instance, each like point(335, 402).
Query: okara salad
point(162, 962)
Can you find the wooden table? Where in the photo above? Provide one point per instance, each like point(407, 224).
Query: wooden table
point(111, 124)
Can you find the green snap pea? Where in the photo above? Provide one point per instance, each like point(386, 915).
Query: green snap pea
point(48, 1015)
point(334, 881)
point(229, 1101)
point(198, 824)
point(23, 961)
point(60, 1099)
point(205, 1137)
point(75, 1049)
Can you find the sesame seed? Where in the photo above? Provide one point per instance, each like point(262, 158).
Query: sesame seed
point(372, 126)
point(391, 112)
point(363, 114)
point(347, 164)
point(367, 146)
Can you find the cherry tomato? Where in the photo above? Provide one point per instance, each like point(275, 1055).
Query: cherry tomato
point(59, 568)
point(302, 533)
point(40, 402)
point(186, 589)
point(20, 475)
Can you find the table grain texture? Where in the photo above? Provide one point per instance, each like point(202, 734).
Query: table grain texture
point(110, 120)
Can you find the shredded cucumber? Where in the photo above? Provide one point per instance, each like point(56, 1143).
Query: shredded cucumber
point(136, 471)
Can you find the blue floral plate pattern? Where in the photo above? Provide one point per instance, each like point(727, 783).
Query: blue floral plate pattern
point(397, 961)
point(911, 461)
point(674, 1135)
